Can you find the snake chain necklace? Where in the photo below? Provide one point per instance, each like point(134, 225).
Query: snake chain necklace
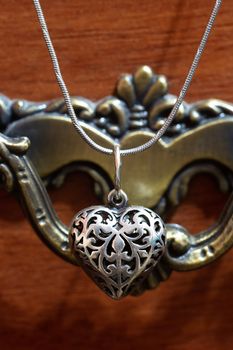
point(117, 245)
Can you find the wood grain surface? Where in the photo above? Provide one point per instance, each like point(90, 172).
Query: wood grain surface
point(46, 303)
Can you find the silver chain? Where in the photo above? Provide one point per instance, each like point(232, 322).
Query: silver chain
point(174, 110)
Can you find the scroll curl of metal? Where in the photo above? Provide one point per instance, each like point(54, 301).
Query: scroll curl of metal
point(199, 140)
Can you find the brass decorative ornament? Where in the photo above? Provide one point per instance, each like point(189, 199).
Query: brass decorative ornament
point(190, 146)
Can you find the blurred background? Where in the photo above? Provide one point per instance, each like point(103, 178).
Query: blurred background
point(47, 303)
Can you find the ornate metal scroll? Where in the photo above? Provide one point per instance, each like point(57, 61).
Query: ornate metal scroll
point(118, 247)
point(199, 140)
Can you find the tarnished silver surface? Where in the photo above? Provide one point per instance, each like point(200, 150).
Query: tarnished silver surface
point(117, 247)
point(199, 140)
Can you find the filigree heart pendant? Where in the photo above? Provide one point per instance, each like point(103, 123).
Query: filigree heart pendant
point(117, 245)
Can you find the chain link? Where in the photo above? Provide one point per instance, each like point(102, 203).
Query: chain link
point(174, 110)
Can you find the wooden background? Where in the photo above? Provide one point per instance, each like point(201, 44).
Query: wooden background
point(46, 303)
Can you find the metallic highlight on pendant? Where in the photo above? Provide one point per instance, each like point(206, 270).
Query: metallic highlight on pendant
point(117, 247)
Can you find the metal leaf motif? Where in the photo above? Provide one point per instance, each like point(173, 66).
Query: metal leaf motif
point(140, 101)
point(117, 247)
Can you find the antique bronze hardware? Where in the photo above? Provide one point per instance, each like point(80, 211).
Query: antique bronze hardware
point(199, 140)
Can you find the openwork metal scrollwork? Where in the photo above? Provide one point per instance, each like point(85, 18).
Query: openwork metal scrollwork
point(116, 247)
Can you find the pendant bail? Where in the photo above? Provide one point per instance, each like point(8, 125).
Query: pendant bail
point(117, 162)
point(117, 197)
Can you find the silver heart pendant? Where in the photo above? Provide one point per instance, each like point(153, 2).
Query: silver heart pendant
point(117, 247)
